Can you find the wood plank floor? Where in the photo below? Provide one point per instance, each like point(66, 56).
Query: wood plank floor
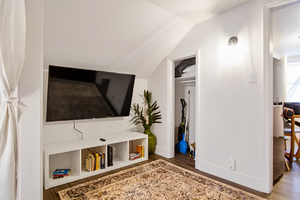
point(287, 188)
point(278, 158)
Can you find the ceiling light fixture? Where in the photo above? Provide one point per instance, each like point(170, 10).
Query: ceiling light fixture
point(233, 41)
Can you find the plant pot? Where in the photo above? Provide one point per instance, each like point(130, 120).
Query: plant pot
point(151, 139)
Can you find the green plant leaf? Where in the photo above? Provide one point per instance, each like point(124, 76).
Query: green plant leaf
point(151, 111)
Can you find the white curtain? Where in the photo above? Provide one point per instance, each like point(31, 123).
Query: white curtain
point(12, 54)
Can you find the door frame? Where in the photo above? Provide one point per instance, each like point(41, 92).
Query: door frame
point(171, 101)
point(267, 92)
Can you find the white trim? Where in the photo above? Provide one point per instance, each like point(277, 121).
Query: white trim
point(198, 110)
point(19, 146)
point(170, 109)
point(284, 61)
point(185, 55)
point(160, 151)
point(235, 176)
point(267, 94)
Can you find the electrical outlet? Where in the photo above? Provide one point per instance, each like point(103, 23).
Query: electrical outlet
point(232, 163)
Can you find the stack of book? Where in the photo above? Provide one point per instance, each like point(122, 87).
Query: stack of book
point(138, 154)
point(94, 161)
point(134, 155)
point(61, 173)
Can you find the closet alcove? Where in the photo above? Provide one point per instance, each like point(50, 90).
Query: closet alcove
point(185, 88)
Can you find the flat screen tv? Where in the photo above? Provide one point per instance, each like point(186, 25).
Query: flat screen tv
point(75, 94)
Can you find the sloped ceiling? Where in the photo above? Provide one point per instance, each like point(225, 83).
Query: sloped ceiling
point(286, 30)
point(196, 11)
point(132, 36)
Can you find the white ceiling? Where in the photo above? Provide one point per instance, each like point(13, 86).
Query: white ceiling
point(196, 11)
point(286, 30)
point(132, 36)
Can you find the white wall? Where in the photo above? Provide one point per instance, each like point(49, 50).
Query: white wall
point(231, 108)
point(157, 84)
point(30, 92)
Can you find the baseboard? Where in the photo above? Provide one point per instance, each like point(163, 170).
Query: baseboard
point(233, 176)
point(277, 179)
point(160, 151)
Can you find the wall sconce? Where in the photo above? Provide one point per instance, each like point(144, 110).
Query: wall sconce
point(232, 41)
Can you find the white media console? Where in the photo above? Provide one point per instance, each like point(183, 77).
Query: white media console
point(71, 154)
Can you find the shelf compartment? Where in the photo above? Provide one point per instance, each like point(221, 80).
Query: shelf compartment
point(55, 182)
point(120, 154)
point(85, 152)
point(132, 147)
point(66, 160)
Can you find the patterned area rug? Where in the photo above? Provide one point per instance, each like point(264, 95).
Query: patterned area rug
point(156, 180)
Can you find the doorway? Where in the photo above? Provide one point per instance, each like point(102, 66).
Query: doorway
point(269, 52)
point(188, 88)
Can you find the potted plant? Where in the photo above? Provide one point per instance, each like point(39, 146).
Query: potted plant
point(146, 115)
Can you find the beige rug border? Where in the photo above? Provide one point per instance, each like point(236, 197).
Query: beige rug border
point(132, 168)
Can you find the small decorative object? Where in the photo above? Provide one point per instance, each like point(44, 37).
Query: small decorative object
point(147, 115)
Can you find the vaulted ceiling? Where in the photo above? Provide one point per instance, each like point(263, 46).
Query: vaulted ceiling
point(132, 36)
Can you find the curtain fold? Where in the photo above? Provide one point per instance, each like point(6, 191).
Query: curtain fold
point(12, 55)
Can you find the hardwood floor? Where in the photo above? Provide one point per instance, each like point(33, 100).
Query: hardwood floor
point(278, 158)
point(287, 188)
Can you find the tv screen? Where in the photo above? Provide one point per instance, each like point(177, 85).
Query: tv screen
point(75, 94)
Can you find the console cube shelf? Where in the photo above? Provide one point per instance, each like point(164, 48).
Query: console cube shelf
point(71, 154)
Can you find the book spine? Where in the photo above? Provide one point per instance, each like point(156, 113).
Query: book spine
point(110, 156)
point(97, 161)
point(103, 161)
point(87, 164)
point(108, 163)
point(139, 149)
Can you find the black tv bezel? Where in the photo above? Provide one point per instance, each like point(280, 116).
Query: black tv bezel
point(129, 93)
